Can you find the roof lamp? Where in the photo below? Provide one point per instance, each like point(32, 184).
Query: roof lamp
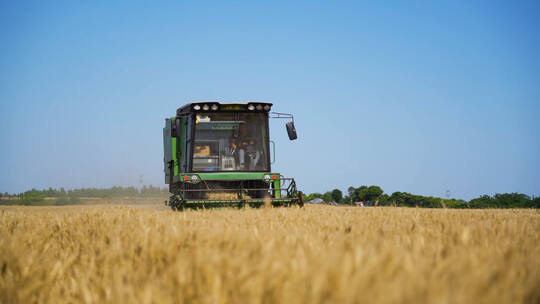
point(205, 107)
point(196, 107)
point(267, 108)
point(251, 107)
point(214, 107)
point(259, 107)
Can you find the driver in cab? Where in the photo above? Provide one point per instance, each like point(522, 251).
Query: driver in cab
point(246, 147)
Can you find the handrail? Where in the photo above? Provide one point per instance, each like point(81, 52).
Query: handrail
point(282, 115)
point(273, 152)
point(241, 179)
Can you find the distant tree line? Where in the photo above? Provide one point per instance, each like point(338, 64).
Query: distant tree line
point(370, 195)
point(73, 196)
point(375, 196)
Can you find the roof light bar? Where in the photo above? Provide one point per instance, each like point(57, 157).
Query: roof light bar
point(227, 107)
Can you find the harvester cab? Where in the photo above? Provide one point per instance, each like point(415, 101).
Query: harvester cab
point(218, 154)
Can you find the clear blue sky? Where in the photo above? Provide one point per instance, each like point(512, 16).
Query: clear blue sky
point(421, 97)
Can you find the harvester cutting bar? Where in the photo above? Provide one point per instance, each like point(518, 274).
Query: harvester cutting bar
point(237, 192)
point(272, 201)
point(238, 189)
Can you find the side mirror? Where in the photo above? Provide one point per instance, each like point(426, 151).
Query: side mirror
point(291, 130)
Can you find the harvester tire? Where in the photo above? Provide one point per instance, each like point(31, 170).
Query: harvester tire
point(176, 203)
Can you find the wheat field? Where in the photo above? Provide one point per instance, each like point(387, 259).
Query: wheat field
point(315, 254)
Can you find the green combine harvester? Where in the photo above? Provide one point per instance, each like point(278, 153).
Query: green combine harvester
point(218, 155)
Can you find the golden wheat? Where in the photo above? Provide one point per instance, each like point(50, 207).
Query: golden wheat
point(315, 254)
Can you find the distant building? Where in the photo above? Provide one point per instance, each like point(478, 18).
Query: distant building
point(315, 201)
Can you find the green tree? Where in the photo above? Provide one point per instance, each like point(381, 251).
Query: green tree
point(504, 200)
point(374, 192)
point(32, 197)
point(512, 200)
point(535, 202)
point(358, 193)
point(483, 201)
point(337, 195)
point(327, 196)
point(384, 200)
point(367, 194)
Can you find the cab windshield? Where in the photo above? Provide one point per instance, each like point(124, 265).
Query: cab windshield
point(230, 142)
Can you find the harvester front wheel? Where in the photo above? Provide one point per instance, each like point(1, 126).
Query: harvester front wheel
point(176, 203)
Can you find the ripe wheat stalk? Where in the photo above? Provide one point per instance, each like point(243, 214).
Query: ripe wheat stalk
point(269, 255)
